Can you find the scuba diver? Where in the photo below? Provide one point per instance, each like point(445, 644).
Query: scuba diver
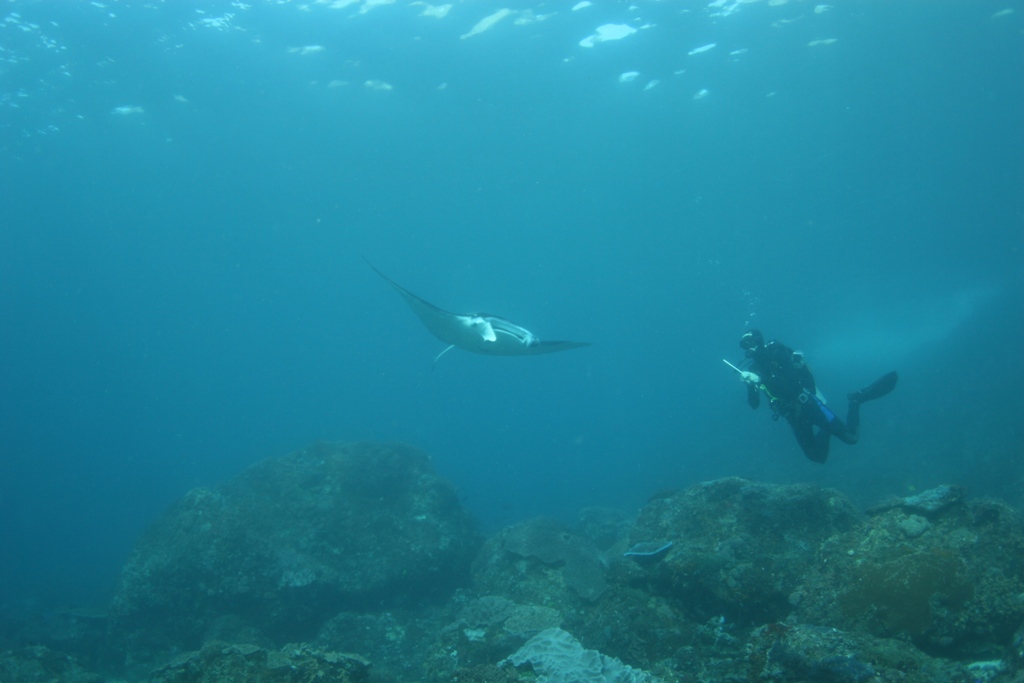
point(783, 375)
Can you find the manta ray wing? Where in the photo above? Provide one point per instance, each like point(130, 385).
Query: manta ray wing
point(552, 346)
point(478, 333)
point(451, 328)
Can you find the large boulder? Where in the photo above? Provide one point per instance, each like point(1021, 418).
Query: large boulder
point(292, 542)
point(936, 569)
point(739, 549)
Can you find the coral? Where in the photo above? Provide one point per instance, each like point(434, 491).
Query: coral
point(486, 610)
point(548, 542)
point(557, 657)
point(529, 619)
point(903, 592)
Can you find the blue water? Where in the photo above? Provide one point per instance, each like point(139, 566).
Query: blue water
point(188, 192)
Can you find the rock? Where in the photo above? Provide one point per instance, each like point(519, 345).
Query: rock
point(354, 548)
point(799, 653)
point(638, 628)
point(80, 632)
point(217, 662)
point(39, 664)
point(484, 631)
point(606, 528)
point(1015, 653)
point(484, 673)
point(739, 548)
point(914, 525)
point(396, 641)
point(293, 541)
point(927, 502)
point(537, 562)
point(953, 584)
point(519, 621)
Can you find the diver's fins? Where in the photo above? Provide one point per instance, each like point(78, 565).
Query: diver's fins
point(882, 386)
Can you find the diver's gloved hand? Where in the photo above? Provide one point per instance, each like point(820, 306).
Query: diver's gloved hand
point(749, 377)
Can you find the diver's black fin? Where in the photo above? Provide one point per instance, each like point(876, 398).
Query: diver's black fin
point(881, 386)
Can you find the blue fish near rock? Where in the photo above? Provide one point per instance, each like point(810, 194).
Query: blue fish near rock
point(648, 552)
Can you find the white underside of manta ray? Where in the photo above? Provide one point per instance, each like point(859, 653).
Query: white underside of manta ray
point(478, 332)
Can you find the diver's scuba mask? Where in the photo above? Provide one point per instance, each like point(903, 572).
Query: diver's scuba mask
point(751, 342)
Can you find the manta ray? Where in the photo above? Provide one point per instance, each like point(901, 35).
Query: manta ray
point(478, 332)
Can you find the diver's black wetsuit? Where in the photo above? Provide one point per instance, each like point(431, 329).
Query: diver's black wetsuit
point(789, 385)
